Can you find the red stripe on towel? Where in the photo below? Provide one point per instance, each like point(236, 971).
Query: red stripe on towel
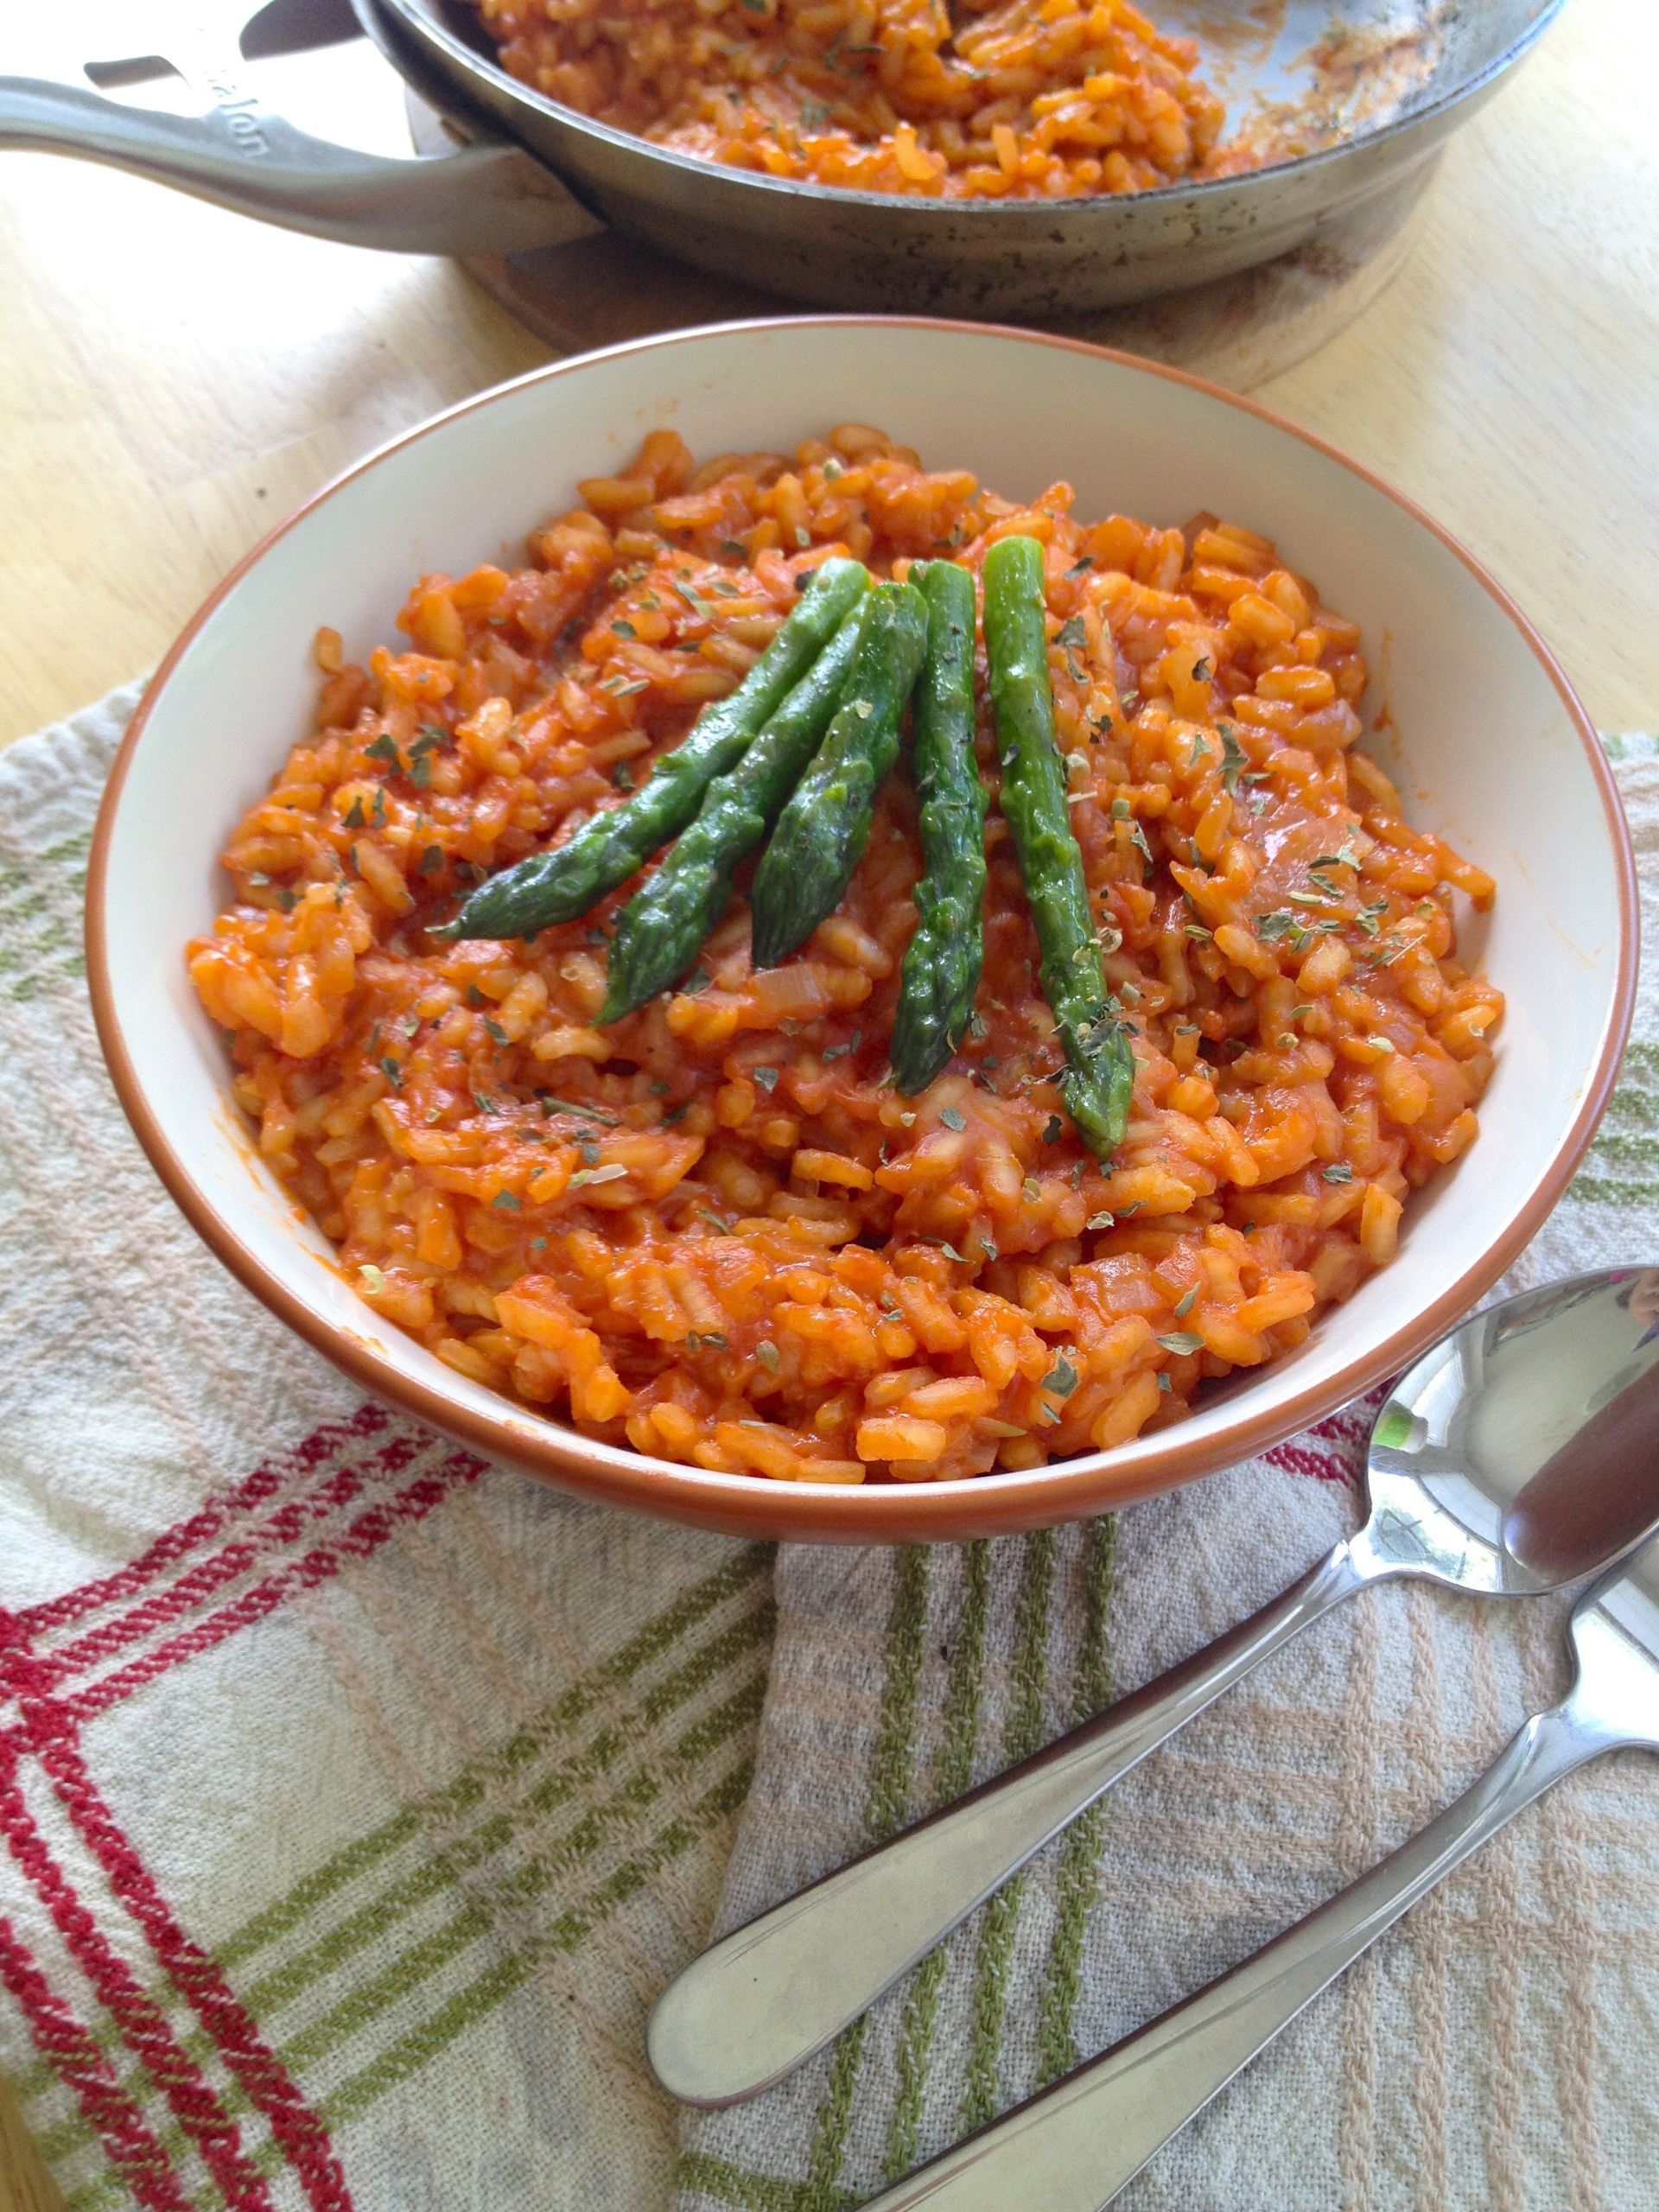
point(87, 2074)
point(276, 1533)
point(1301, 1459)
point(200, 1526)
point(365, 1536)
point(201, 1980)
point(145, 2029)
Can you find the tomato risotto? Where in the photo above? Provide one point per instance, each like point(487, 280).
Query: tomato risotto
point(1026, 99)
point(714, 1228)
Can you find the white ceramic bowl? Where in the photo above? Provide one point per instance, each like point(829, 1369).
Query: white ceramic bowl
point(1484, 736)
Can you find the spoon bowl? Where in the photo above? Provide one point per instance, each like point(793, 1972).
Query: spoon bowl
point(1521, 1451)
point(1520, 1454)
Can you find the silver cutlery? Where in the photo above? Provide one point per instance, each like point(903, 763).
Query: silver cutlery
point(1516, 1456)
point(1073, 2147)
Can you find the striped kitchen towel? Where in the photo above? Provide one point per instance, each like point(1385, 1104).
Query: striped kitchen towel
point(356, 1797)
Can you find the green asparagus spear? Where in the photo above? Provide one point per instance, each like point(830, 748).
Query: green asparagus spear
point(940, 975)
point(1099, 1080)
point(558, 885)
point(662, 926)
point(822, 833)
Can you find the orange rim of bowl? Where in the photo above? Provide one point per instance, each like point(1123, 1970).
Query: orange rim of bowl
point(898, 1512)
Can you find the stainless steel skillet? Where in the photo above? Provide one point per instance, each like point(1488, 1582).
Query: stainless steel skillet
point(1350, 97)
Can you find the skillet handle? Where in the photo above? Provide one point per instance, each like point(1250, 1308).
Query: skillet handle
point(489, 197)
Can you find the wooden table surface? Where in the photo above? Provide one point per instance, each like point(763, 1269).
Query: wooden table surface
point(173, 380)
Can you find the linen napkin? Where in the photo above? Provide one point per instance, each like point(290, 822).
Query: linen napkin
point(356, 1796)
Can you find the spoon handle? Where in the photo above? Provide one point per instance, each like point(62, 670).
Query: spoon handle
point(767, 1996)
point(1074, 2146)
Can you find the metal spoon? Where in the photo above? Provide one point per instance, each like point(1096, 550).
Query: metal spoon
point(1073, 2148)
point(1515, 1456)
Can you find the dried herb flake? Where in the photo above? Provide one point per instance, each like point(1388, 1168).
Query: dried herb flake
point(1061, 1379)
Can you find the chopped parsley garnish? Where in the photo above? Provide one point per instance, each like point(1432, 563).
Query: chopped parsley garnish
point(1279, 923)
point(1181, 1342)
point(1232, 758)
point(552, 1105)
point(1185, 1304)
point(951, 1119)
point(385, 747)
point(431, 860)
point(1339, 1171)
point(1061, 1379)
point(1101, 1221)
point(392, 1072)
point(352, 818)
point(507, 1201)
point(497, 1031)
point(767, 1077)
